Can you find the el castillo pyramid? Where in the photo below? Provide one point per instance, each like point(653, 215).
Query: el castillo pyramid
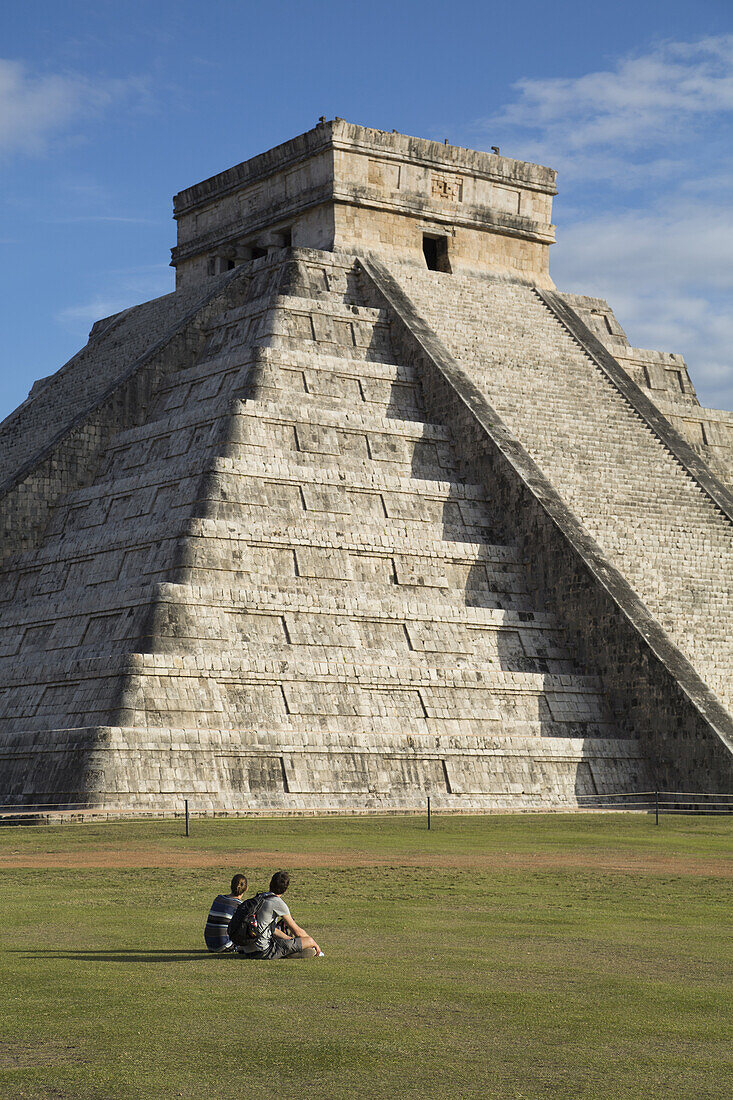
point(365, 510)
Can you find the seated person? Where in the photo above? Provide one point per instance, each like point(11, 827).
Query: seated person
point(281, 937)
point(221, 912)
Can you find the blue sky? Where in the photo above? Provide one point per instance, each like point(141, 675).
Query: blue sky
point(107, 109)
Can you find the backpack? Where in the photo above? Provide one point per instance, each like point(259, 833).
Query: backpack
point(245, 926)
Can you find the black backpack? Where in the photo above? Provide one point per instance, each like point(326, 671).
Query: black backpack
point(245, 925)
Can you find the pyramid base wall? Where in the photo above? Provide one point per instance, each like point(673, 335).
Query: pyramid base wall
point(155, 771)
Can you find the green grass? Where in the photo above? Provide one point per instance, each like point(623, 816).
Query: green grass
point(500, 956)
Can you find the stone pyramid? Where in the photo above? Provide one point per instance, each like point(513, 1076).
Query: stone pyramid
point(365, 510)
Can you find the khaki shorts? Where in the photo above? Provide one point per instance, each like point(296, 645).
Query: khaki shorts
point(280, 949)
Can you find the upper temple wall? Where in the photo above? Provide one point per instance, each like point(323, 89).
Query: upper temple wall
point(344, 187)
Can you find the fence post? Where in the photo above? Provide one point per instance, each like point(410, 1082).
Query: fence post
point(656, 807)
point(428, 811)
point(185, 802)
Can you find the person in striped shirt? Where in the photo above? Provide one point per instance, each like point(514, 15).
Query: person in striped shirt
point(221, 912)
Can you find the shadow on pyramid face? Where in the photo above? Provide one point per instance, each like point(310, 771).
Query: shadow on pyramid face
point(405, 402)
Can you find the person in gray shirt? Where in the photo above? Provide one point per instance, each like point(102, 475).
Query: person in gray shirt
point(281, 937)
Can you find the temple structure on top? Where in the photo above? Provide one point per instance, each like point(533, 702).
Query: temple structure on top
point(345, 188)
point(366, 509)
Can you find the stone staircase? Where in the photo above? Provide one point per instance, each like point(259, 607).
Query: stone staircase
point(653, 521)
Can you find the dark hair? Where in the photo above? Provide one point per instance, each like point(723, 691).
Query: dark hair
point(239, 885)
point(279, 882)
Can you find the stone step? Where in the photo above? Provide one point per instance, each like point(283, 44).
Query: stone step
point(188, 617)
point(253, 667)
point(178, 454)
point(282, 521)
point(367, 457)
point(322, 637)
point(332, 308)
point(363, 370)
point(476, 586)
point(397, 399)
point(201, 390)
point(358, 332)
point(350, 436)
point(38, 724)
point(329, 471)
point(151, 493)
point(447, 516)
point(419, 633)
point(382, 604)
point(297, 596)
point(142, 552)
point(178, 445)
point(376, 580)
point(309, 408)
point(311, 277)
point(480, 581)
point(488, 746)
point(255, 688)
point(373, 352)
point(325, 665)
point(225, 471)
point(179, 440)
point(377, 674)
point(373, 641)
point(208, 551)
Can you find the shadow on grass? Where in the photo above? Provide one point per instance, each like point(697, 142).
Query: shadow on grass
point(125, 955)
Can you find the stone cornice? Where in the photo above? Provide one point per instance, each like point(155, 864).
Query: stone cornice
point(346, 136)
point(469, 217)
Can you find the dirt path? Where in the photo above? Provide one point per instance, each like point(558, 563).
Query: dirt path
point(154, 856)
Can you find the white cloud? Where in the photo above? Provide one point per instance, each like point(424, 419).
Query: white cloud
point(657, 125)
point(675, 244)
point(641, 105)
point(35, 107)
point(668, 276)
point(89, 312)
point(135, 285)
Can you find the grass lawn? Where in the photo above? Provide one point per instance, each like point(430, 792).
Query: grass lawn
point(568, 956)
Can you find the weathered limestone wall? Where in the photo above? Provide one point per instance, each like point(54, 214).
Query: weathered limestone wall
point(53, 442)
point(280, 593)
point(708, 431)
point(75, 608)
point(663, 376)
point(394, 236)
point(115, 347)
point(353, 189)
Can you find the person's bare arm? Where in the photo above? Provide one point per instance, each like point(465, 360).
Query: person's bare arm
point(278, 928)
point(296, 930)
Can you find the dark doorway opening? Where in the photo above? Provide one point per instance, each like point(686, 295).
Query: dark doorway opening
point(218, 264)
point(435, 251)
